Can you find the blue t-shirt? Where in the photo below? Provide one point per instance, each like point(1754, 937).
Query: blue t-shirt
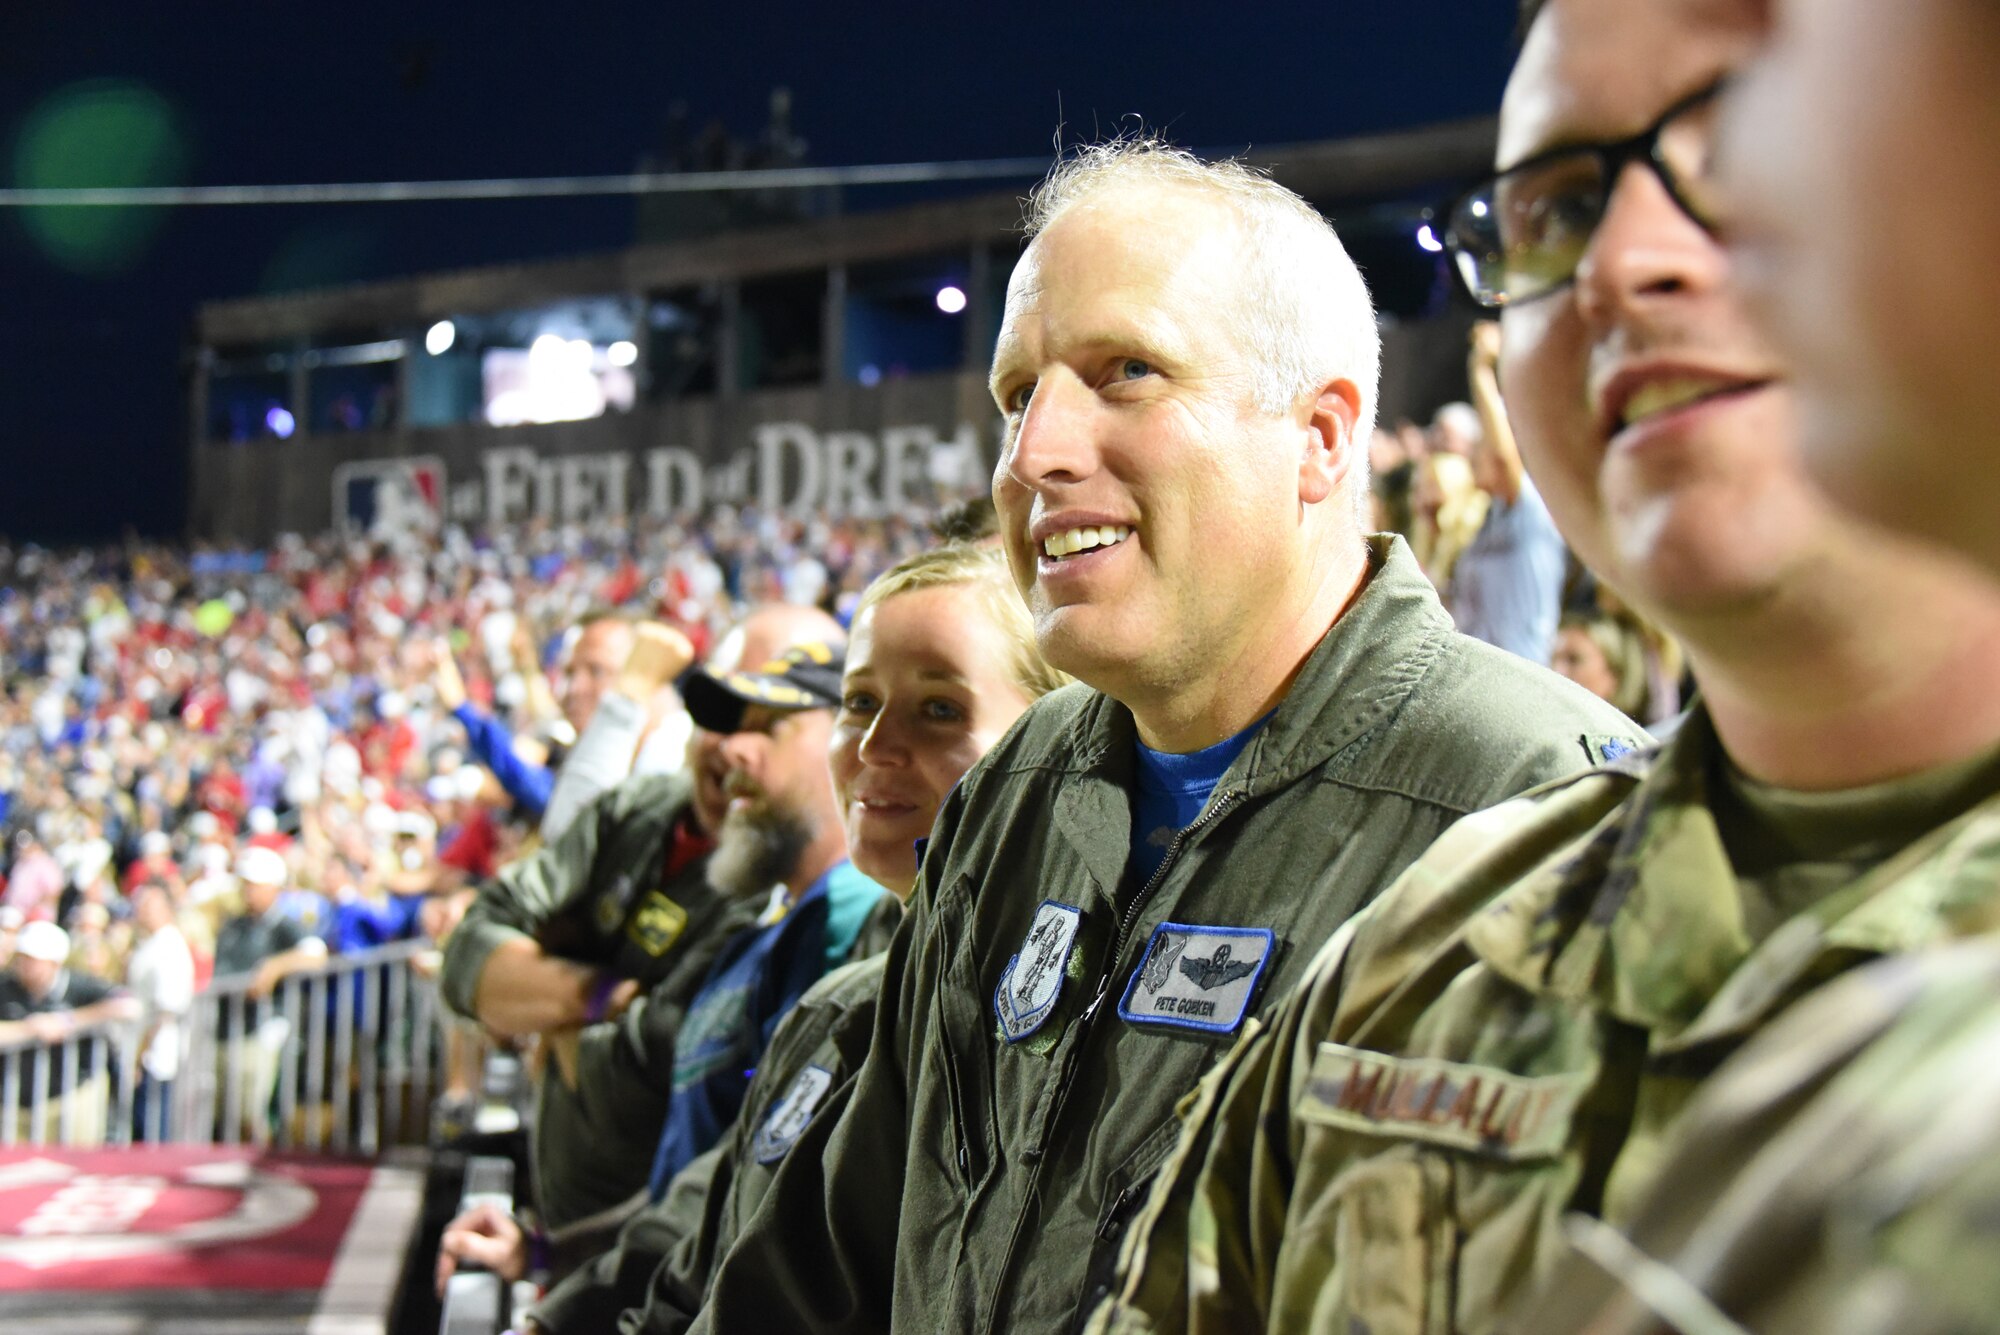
point(1172, 791)
point(1507, 586)
point(492, 745)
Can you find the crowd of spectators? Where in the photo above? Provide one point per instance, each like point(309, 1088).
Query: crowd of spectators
point(367, 724)
point(231, 764)
point(1457, 491)
point(237, 763)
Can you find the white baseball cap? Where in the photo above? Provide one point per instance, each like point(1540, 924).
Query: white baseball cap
point(262, 866)
point(43, 940)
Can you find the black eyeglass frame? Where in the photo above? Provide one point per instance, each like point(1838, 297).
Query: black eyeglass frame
point(1612, 159)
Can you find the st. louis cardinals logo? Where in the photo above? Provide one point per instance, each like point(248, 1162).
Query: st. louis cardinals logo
point(55, 1213)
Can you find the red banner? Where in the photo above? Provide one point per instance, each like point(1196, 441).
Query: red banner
point(172, 1217)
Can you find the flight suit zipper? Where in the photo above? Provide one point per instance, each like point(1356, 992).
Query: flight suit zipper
point(1034, 1154)
point(955, 1100)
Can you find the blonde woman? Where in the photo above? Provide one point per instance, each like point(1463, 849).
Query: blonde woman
point(941, 661)
point(1448, 509)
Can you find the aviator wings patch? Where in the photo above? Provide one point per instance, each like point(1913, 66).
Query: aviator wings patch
point(1198, 977)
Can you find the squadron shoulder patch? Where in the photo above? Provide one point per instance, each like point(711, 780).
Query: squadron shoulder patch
point(792, 1114)
point(611, 905)
point(1198, 977)
point(657, 924)
point(1033, 978)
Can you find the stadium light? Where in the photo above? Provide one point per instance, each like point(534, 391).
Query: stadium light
point(282, 423)
point(622, 353)
point(950, 300)
point(439, 338)
point(1428, 239)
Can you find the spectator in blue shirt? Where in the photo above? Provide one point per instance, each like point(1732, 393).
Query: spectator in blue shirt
point(1507, 586)
point(602, 643)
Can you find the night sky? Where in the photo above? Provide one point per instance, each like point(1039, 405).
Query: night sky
point(93, 336)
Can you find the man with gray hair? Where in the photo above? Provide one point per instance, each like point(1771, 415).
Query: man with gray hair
point(1276, 718)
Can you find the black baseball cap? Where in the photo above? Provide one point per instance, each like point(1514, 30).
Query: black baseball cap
point(805, 676)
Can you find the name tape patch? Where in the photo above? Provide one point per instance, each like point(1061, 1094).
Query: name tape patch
point(1198, 977)
point(788, 1120)
point(1033, 978)
point(1474, 1108)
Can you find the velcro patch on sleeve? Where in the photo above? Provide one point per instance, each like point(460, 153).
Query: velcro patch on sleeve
point(658, 924)
point(793, 1114)
point(1198, 977)
point(1479, 1109)
point(1608, 748)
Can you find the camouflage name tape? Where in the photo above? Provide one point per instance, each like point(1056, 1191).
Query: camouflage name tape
point(1479, 1109)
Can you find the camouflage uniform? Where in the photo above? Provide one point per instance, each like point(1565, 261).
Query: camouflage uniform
point(596, 895)
point(1042, 1012)
point(1505, 1038)
point(1840, 1177)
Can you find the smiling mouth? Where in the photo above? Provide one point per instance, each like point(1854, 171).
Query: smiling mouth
point(742, 792)
point(879, 807)
point(1660, 397)
point(1076, 541)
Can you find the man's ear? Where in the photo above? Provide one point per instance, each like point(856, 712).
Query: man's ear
point(1329, 441)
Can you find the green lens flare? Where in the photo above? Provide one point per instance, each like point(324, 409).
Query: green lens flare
point(100, 133)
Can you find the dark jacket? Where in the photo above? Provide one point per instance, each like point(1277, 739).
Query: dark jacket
point(596, 895)
point(999, 1137)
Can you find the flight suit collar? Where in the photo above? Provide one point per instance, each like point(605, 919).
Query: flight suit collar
point(1354, 681)
point(1643, 918)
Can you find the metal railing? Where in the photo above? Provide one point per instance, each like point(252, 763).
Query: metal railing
point(71, 1090)
point(475, 1300)
point(347, 1056)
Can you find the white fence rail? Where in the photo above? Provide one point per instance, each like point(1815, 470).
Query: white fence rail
point(346, 1057)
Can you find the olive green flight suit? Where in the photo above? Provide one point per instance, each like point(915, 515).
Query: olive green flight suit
point(595, 896)
point(1507, 1037)
point(665, 1253)
point(1042, 1013)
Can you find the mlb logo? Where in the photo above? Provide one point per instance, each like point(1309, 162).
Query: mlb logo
point(389, 498)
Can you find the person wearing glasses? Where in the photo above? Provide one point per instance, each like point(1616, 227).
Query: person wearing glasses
point(1841, 1175)
point(1507, 1036)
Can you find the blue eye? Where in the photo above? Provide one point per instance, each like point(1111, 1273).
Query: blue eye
point(857, 702)
point(1134, 369)
point(1017, 399)
point(943, 711)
